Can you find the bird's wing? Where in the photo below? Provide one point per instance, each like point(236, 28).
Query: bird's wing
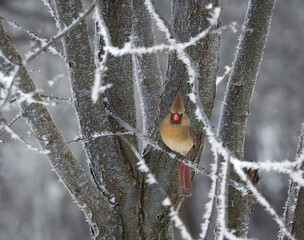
point(192, 135)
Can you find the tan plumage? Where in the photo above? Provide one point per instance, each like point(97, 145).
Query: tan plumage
point(178, 104)
point(177, 134)
point(176, 137)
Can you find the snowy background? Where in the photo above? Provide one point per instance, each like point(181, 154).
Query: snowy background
point(33, 205)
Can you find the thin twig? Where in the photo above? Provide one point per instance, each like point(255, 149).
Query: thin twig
point(45, 47)
point(32, 35)
point(21, 139)
point(12, 122)
point(52, 97)
point(100, 64)
point(237, 185)
point(61, 34)
point(52, 12)
point(151, 179)
point(220, 80)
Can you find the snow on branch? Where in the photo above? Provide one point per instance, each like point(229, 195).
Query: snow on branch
point(143, 167)
point(217, 146)
point(138, 83)
point(155, 145)
point(286, 166)
point(173, 44)
point(32, 35)
point(227, 73)
point(209, 206)
point(103, 31)
point(159, 21)
point(10, 80)
point(47, 3)
point(293, 199)
point(59, 35)
point(9, 125)
point(14, 135)
point(260, 199)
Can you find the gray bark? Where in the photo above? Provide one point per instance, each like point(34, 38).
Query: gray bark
point(146, 65)
point(112, 163)
point(78, 183)
point(138, 211)
point(187, 21)
point(294, 212)
point(237, 100)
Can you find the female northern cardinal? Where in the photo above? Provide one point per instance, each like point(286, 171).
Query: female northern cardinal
point(177, 134)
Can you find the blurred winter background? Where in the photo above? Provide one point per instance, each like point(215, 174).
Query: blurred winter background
point(34, 206)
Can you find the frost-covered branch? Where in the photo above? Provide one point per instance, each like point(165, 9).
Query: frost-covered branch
point(183, 30)
point(209, 206)
point(237, 100)
point(33, 35)
point(220, 80)
point(44, 47)
point(10, 124)
point(68, 169)
point(61, 34)
point(128, 49)
point(151, 179)
point(260, 199)
point(14, 135)
point(293, 214)
point(52, 12)
point(53, 98)
point(146, 70)
point(286, 167)
point(103, 31)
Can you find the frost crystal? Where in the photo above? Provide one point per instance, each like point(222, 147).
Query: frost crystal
point(166, 202)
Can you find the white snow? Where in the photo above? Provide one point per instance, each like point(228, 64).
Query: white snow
point(215, 14)
point(166, 202)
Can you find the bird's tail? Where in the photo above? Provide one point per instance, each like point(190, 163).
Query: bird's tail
point(184, 179)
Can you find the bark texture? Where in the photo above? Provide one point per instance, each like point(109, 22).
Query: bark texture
point(188, 19)
point(78, 183)
point(294, 212)
point(237, 100)
point(113, 165)
point(146, 66)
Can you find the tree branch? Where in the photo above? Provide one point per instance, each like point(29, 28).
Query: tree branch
point(237, 100)
point(78, 183)
point(294, 211)
point(146, 72)
point(112, 163)
point(187, 22)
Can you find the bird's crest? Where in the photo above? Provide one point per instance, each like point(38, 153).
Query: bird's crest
point(178, 104)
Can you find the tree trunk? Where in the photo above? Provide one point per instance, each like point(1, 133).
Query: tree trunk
point(106, 223)
point(235, 108)
point(187, 21)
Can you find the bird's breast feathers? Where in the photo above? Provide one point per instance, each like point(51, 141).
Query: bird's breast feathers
point(176, 137)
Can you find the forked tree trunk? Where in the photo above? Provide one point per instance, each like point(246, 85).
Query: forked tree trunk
point(137, 211)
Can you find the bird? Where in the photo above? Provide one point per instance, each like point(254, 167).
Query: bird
point(178, 135)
